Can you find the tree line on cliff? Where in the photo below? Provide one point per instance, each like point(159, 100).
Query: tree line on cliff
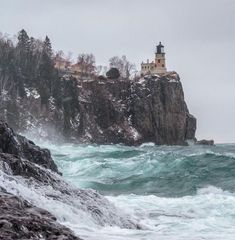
point(28, 63)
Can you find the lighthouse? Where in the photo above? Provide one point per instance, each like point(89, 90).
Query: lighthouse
point(160, 60)
point(158, 66)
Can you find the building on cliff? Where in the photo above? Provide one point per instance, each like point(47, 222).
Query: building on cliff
point(62, 64)
point(77, 70)
point(158, 66)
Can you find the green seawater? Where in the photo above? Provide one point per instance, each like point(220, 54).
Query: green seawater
point(173, 192)
point(159, 170)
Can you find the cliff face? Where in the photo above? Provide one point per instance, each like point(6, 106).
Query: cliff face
point(105, 111)
point(149, 110)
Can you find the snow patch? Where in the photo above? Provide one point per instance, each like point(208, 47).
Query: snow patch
point(173, 81)
point(4, 95)
point(32, 92)
point(52, 104)
point(142, 81)
point(135, 134)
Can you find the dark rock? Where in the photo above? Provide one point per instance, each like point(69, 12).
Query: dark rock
point(21, 147)
point(151, 109)
point(191, 127)
point(21, 220)
point(13, 165)
point(205, 142)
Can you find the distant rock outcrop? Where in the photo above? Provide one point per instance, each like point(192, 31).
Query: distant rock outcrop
point(205, 142)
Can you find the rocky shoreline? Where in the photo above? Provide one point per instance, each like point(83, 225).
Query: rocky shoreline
point(27, 169)
point(19, 219)
point(151, 109)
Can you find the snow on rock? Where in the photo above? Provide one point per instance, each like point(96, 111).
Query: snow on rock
point(173, 81)
point(134, 133)
point(142, 81)
point(52, 106)
point(32, 92)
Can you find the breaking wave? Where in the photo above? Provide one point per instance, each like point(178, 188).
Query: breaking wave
point(171, 192)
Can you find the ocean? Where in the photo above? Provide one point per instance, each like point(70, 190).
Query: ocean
point(173, 192)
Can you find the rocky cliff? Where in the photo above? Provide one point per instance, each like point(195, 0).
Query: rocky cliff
point(150, 109)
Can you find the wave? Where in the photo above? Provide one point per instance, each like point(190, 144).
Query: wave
point(171, 192)
point(209, 214)
point(73, 207)
point(161, 170)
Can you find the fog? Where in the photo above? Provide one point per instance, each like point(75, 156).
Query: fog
point(198, 35)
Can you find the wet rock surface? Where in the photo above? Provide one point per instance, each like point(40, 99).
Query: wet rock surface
point(30, 183)
point(21, 220)
point(21, 147)
point(205, 142)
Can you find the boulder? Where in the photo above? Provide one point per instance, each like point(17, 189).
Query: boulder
point(21, 147)
point(205, 142)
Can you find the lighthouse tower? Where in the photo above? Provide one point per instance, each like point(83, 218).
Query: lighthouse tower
point(158, 66)
point(160, 61)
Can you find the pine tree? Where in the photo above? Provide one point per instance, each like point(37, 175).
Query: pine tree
point(46, 72)
point(23, 41)
point(47, 47)
point(22, 61)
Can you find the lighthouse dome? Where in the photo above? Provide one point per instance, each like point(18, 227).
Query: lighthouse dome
point(160, 48)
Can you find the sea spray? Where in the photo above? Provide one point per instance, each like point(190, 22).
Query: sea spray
point(172, 192)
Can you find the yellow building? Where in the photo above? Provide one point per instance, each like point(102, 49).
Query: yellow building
point(158, 66)
point(76, 69)
point(65, 67)
point(61, 64)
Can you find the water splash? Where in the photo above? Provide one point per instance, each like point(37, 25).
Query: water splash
point(173, 192)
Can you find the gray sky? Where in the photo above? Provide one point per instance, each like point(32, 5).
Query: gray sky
point(199, 39)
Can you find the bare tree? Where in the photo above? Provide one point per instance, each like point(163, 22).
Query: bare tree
point(125, 67)
point(5, 87)
point(69, 56)
point(86, 63)
point(101, 70)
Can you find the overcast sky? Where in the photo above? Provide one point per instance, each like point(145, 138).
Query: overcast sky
point(199, 39)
